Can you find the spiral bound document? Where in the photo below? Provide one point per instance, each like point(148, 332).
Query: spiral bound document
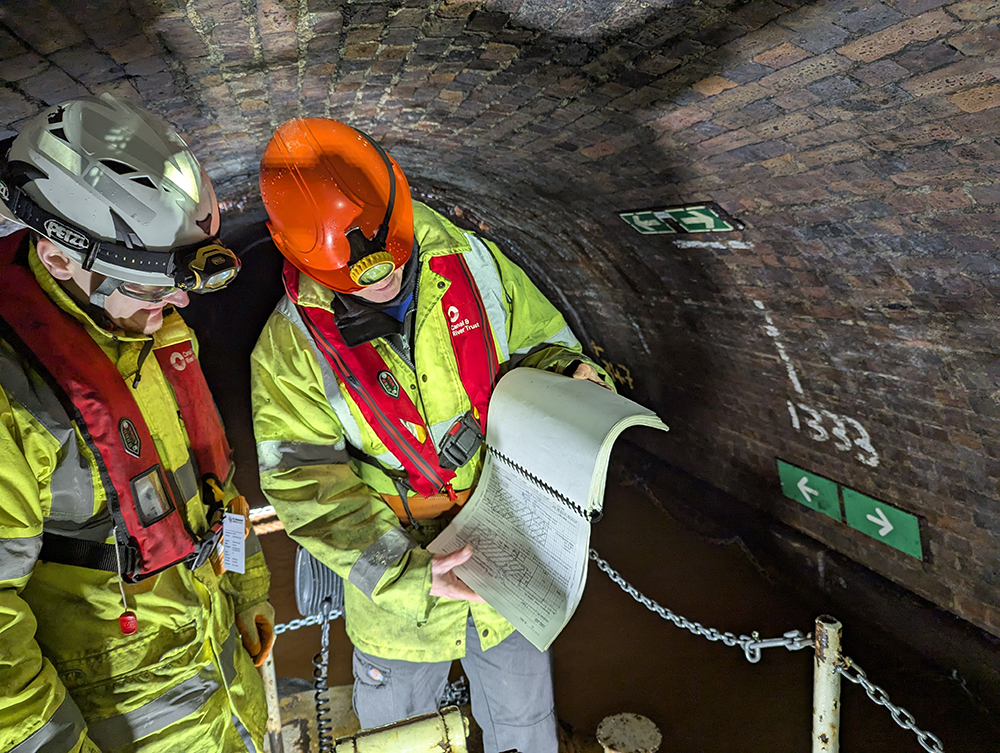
point(548, 440)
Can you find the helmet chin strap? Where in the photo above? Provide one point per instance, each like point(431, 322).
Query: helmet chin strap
point(108, 286)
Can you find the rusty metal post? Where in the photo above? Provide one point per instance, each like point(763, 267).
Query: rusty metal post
point(274, 738)
point(628, 733)
point(826, 687)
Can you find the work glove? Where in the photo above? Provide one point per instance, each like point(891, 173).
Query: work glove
point(256, 626)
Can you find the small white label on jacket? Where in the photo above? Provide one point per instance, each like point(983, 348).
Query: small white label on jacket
point(233, 554)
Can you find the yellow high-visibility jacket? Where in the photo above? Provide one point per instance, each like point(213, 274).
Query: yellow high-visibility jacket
point(304, 420)
point(70, 680)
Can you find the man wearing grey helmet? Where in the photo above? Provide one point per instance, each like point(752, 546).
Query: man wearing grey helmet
point(120, 626)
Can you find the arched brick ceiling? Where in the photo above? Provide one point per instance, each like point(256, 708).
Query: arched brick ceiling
point(855, 140)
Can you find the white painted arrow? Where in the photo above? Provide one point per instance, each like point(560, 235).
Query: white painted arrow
point(699, 217)
point(881, 520)
point(649, 225)
point(805, 489)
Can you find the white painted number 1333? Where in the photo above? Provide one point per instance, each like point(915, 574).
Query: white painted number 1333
point(841, 440)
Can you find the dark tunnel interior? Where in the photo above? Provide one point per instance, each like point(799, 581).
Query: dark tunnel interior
point(847, 328)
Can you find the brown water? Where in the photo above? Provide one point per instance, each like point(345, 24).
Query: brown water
point(616, 656)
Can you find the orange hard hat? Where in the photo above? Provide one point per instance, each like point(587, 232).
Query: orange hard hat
point(339, 206)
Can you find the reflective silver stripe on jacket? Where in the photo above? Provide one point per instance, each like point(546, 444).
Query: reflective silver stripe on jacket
point(186, 478)
point(380, 555)
point(97, 528)
point(276, 455)
point(18, 556)
point(71, 483)
point(170, 707)
point(252, 545)
point(484, 270)
point(564, 336)
point(244, 734)
point(227, 657)
point(330, 383)
point(59, 734)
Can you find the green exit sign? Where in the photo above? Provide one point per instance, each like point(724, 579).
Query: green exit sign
point(883, 522)
point(708, 217)
point(815, 492)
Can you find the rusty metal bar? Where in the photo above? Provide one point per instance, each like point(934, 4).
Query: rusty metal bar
point(274, 738)
point(826, 687)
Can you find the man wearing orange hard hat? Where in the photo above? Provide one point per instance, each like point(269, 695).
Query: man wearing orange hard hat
point(371, 385)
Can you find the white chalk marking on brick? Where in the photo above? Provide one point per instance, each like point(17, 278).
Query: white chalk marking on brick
point(814, 419)
point(700, 244)
point(773, 333)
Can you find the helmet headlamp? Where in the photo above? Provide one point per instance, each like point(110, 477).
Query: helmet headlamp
point(205, 268)
point(373, 268)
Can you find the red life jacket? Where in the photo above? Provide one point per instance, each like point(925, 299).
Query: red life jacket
point(360, 369)
point(151, 532)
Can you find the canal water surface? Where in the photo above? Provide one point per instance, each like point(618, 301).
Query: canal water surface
point(617, 656)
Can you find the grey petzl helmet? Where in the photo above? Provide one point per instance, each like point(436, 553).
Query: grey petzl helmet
point(119, 192)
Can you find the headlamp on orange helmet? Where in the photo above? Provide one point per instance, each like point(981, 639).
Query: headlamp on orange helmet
point(339, 206)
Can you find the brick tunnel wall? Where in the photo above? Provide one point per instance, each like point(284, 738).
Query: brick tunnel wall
point(849, 329)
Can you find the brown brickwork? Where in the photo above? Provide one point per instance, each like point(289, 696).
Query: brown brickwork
point(856, 141)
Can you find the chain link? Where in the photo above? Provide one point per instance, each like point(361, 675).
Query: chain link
point(901, 716)
point(315, 619)
point(751, 644)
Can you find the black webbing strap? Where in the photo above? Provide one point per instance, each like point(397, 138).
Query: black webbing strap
point(64, 550)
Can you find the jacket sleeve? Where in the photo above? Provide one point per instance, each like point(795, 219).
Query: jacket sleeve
point(305, 473)
point(537, 333)
point(36, 712)
point(253, 585)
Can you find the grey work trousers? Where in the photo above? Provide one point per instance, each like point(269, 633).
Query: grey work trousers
point(510, 687)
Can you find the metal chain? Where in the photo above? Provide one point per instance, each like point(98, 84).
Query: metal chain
point(316, 619)
point(751, 644)
point(901, 716)
point(792, 640)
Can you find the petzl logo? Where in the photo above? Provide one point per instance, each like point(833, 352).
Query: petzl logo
point(130, 437)
point(453, 314)
point(4, 192)
point(389, 383)
point(57, 231)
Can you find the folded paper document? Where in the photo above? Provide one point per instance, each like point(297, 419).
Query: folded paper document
point(548, 440)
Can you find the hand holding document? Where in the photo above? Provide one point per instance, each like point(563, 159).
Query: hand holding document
point(548, 440)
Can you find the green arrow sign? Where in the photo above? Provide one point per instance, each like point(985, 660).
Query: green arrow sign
point(699, 219)
point(815, 492)
point(647, 223)
point(896, 528)
point(690, 218)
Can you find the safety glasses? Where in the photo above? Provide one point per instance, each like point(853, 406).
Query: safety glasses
point(148, 293)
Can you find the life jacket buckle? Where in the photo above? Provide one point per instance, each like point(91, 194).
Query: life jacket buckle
point(461, 442)
point(204, 547)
